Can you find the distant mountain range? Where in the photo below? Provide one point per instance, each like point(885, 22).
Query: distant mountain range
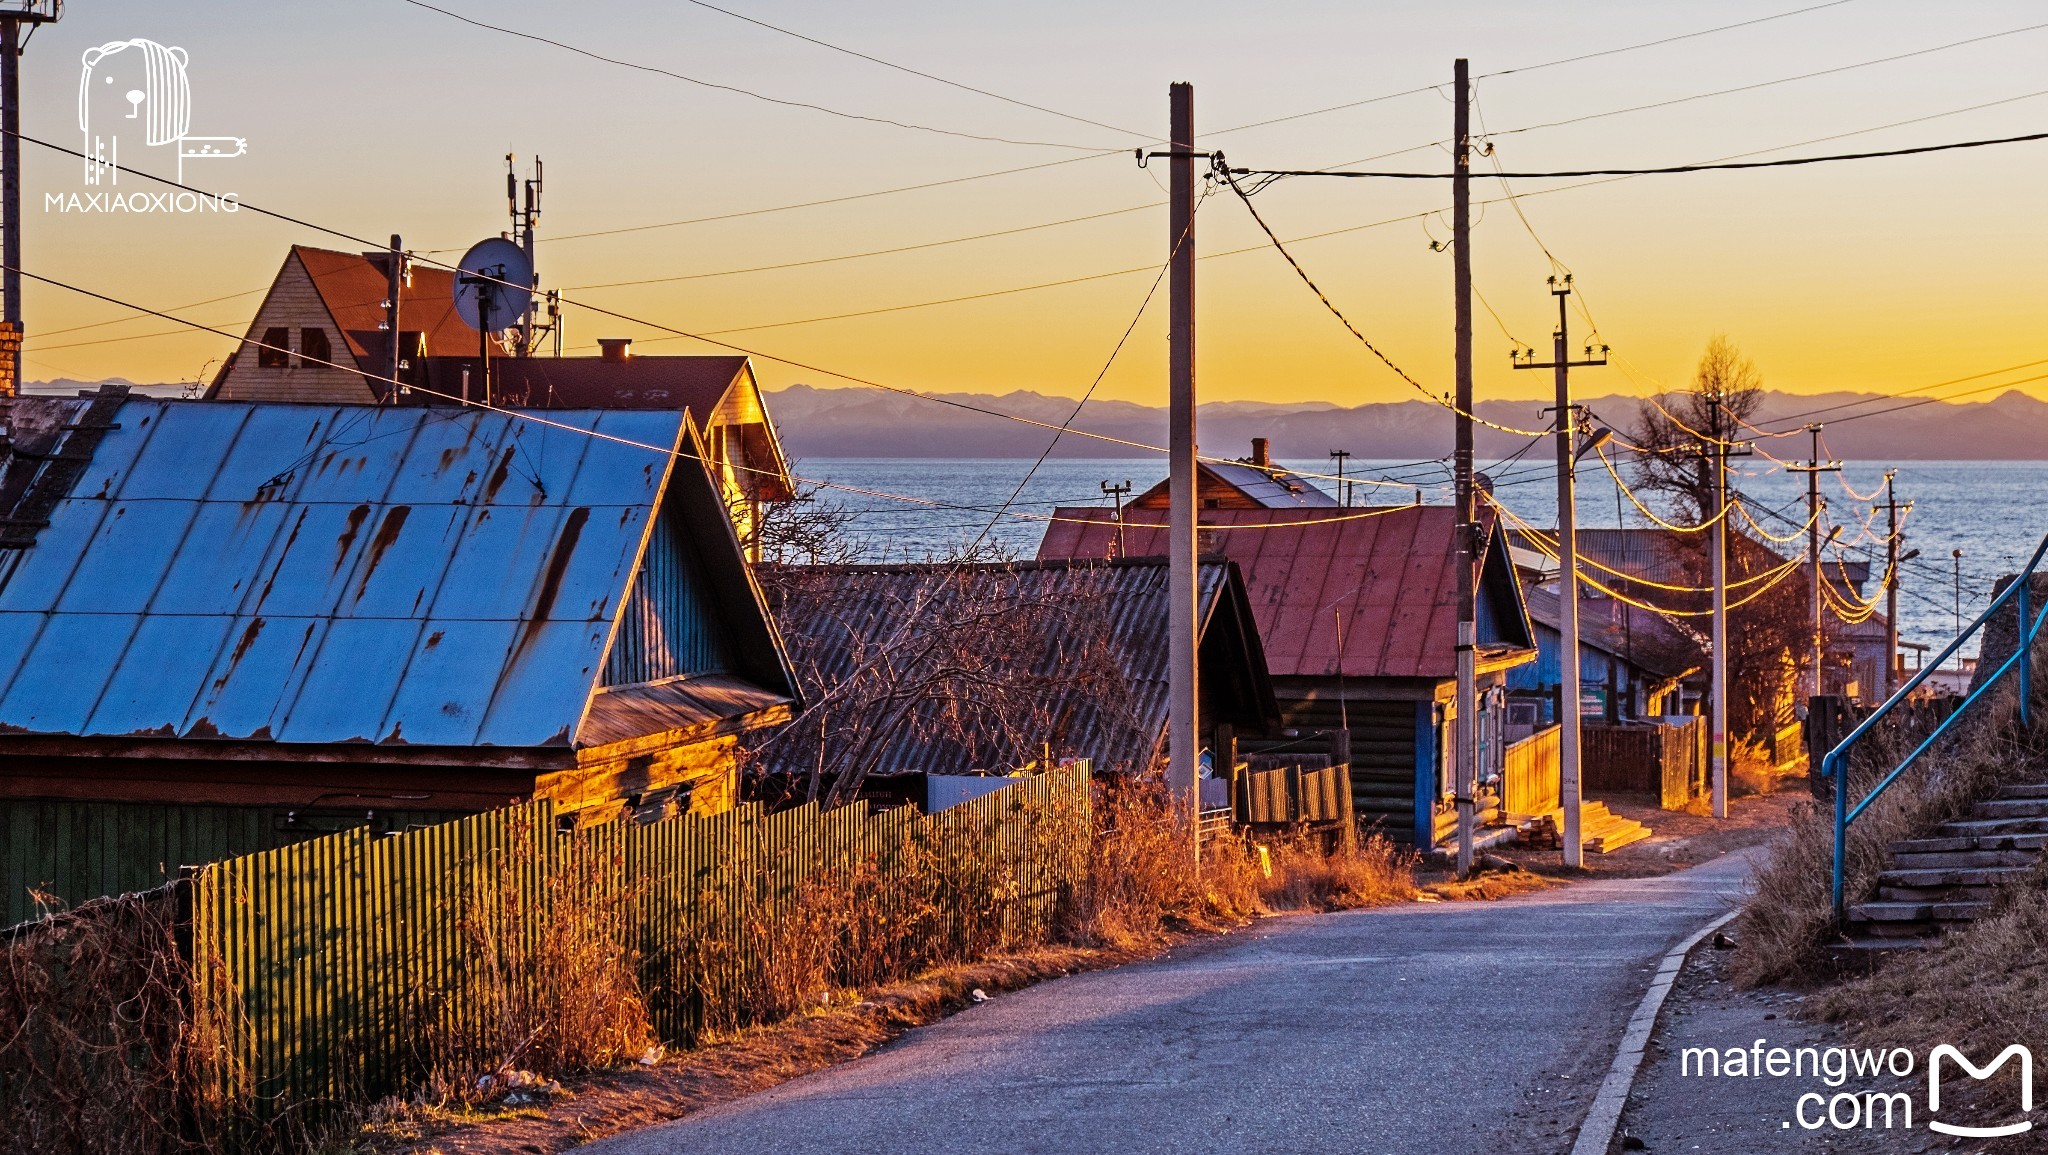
point(870, 423)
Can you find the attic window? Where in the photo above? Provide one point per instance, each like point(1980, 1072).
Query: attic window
point(313, 348)
point(275, 352)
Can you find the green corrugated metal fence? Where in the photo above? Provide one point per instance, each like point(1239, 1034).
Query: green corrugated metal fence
point(330, 951)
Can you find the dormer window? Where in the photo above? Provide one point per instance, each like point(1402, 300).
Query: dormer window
point(276, 350)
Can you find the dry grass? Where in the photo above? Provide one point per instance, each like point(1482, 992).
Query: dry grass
point(1143, 885)
point(543, 985)
point(1984, 989)
point(1788, 923)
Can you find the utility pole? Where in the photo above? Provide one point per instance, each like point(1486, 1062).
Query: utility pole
point(13, 14)
point(1813, 468)
point(1891, 587)
point(1115, 493)
point(394, 282)
point(1343, 489)
point(1718, 722)
point(1569, 792)
point(1183, 740)
point(1465, 778)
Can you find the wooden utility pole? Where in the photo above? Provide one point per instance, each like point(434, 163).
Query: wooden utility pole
point(1813, 468)
point(1569, 792)
point(1183, 697)
point(1343, 488)
point(1465, 776)
point(1717, 725)
point(394, 283)
point(1115, 493)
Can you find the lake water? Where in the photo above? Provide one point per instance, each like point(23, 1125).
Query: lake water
point(1989, 510)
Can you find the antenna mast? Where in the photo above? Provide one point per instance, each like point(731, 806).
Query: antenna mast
point(525, 219)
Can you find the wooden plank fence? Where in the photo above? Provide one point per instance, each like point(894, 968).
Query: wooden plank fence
point(329, 952)
point(1532, 774)
point(1667, 762)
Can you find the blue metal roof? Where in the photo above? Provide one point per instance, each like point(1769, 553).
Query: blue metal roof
point(321, 574)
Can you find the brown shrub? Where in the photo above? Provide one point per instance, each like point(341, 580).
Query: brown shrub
point(1143, 882)
point(545, 983)
point(104, 1048)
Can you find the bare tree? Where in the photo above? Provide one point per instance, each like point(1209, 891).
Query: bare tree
point(1769, 629)
point(1672, 429)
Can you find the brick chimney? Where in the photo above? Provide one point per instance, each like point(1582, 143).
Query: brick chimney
point(1262, 455)
point(10, 359)
point(618, 349)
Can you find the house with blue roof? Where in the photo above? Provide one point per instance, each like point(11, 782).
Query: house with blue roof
point(226, 625)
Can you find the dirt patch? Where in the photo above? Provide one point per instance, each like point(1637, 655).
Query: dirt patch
point(614, 1101)
point(1678, 840)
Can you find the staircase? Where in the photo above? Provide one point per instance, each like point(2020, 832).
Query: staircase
point(1951, 879)
point(1600, 830)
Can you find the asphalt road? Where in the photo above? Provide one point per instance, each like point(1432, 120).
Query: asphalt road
point(1434, 1028)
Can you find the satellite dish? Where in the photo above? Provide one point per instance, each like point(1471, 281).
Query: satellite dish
point(495, 275)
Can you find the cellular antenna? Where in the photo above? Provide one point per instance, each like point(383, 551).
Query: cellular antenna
point(525, 220)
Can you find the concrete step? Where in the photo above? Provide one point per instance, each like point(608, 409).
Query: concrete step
point(1874, 942)
point(1982, 827)
point(1916, 912)
point(1973, 876)
point(1952, 859)
point(2033, 790)
point(2011, 808)
point(2033, 843)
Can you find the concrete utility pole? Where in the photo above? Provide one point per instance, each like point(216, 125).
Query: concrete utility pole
point(1892, 559)
point(1466, 776)
point(1183, 737)
point(1813, 468)
point(1569, 792)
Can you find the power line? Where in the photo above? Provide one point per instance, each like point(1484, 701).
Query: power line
point(787, 103)
point(1666, 170)
point(904, 68)
point(1773, 83)
point(1527, 68)
point(871, 252)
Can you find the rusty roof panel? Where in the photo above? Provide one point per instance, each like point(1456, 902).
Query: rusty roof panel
point(1386, 578)
point(304, 574)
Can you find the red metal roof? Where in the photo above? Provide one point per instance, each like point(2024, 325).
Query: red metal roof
point(697, 384)
point(1386, 580)
point(352, 287)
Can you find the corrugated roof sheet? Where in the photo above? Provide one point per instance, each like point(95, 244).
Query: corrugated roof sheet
point(834, 619)
point(1386, 580)
point(323, 574)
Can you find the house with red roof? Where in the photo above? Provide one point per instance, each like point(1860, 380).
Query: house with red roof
point(320, 336)
point(1357, 613)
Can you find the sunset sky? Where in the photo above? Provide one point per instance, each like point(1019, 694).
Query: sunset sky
point(382, 116)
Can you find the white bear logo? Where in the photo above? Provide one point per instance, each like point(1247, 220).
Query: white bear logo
point(138, 89)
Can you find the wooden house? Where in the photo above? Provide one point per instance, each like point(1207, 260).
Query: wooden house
point(1633, 663)
point(320, 336)
point(1357, 611)
point(224, 624)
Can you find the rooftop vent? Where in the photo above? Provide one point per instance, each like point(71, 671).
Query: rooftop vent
point(615, 348)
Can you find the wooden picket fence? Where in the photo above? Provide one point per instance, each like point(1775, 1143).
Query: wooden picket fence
point(327, 953)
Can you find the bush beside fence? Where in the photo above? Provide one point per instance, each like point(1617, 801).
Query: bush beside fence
point(355, 966)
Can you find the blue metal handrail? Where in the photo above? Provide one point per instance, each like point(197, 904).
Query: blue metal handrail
point(1835, 764)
